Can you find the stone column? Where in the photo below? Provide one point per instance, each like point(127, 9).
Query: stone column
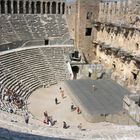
point(35, 10)
point(42, 7)
point(18, 6)
point(56, 7)
point(29, 7)
point(0, 8)
point(45, 7)
point(101, 11)
point(109, 12)
point(5, 6)
point(24, 2)
point(61, 9)
point(11, 6)
point(50, 7)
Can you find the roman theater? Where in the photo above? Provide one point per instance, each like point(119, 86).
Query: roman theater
point(78, 61)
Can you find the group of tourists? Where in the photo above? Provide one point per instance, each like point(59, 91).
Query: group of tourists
point(73, 108)
point(11, 97)
point(48, 119)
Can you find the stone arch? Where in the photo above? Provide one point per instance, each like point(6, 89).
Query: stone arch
point(38, 7)
point(27, 7)
point(59, 7)
point(53, 7)
point(63, 8)
point(44, 8)
point(9, 10)
point(32, 7)
point(21, 7)
point(2, 7)
point(15, 10)
point(48, 7)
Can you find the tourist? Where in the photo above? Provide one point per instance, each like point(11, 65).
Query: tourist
point(49, 123)
point(80, 126)
point(78, 110)
point(71, 76)
point(93, 86)
point(61, 92)
point(72, 107)
point(65, 126)
point(45, 114)
point(26, 117)
point(10, 110)
point(46, 117)
point(56, 101)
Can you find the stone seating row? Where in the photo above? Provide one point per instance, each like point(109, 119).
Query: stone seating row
point(30, 27)
point(27, 69)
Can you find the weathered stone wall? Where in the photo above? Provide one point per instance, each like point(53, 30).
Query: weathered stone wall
point(78, 22)
point(127, 39)
point(71, 18)
point(115, 23)
point(120, 12)
point(85, 42)
point(118, 26)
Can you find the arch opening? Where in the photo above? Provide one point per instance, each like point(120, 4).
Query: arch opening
point(27, 7)
point(2, 7)
point(9, 7)
point(44, 9)
point(53, 7)
point(15, 11)
point(38, 7)
point(59, 8)
point(75, 70)
point(48, 8)
point(63, 8)
point(32, 7)
point(21, 7)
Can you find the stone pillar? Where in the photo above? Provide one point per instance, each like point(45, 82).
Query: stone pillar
point(46, 7)
point(5, 6)
point(24, 4)
point(29, 7)
point(109, 11)
point(41, 5)
point(11, 6)
point(56, 7)
point(61, 9)
point(50, 7)
point(35, 10)
point(0, 8)
point(18, 6)
point(101, 11)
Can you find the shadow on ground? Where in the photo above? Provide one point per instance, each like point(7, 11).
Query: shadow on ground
point(6, 134)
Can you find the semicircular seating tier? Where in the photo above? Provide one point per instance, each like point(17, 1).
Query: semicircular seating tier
point(26, 69)
point(23, 27)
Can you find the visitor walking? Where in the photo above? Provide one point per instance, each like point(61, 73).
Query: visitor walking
point(61, 92)
point(56, 101)
point(26, 117)
point(65, 126)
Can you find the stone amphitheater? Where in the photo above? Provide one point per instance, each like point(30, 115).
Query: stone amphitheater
point(44, 43)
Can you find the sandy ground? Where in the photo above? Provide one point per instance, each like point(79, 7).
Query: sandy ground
point(44, 99)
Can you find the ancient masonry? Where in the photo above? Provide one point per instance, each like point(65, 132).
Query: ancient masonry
point(119, 33)
point(108, 31)
point(32, 7)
